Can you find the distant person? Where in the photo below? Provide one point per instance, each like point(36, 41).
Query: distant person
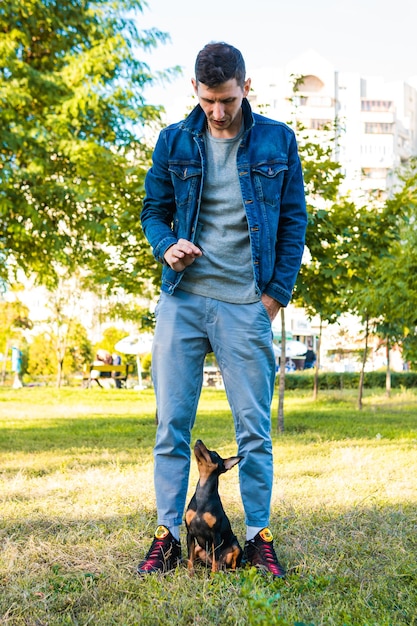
point(225, 214)
point(17, 367)
point(117, 360)
point(310, 359)
point(103, 357)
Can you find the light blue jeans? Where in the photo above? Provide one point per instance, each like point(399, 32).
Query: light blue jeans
point(187, 327)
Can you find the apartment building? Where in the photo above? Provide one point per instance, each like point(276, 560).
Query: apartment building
point(373, 123)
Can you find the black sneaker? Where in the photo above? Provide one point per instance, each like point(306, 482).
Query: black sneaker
point(259, 552)
point(164, 553)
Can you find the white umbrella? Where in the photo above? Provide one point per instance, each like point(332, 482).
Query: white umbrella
point(135, 344)
point(293, 348)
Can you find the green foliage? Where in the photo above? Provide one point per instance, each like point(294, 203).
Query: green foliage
point(14, 319)
point(109, 339)
point(146, 363)
point(43, 357)
point(409, 345)
point(350, 380)
point(72, 161)
point(317, 284)
point(262, 605)
point(129, 312)
point(393, 277)
point(79, 349)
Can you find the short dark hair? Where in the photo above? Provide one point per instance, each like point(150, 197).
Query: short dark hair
point(217, 63)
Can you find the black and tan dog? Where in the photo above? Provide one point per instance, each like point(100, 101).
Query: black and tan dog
point(210, 538)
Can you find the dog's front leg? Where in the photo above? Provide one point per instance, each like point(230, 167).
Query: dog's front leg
point(216, 552)
point(191, 553)
point(215, 560)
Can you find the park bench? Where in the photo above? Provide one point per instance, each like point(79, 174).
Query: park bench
point(118, 373)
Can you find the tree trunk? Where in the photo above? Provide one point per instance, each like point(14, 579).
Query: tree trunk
point(4, 365)
point(388, 377)
point(60, 370)
point(61, 349)
point(365, 356)
point(317, 364)
point(282, 359)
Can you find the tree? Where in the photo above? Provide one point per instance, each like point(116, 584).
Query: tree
point(14, 319)
point(391, 295)
point(316, 288)
point(374, 232)
point(79, 349)
point(72, 159)
point(109, 339)
point(318, 284)
point(42, 357)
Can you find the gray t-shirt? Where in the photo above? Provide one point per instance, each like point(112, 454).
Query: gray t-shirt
point(224, 271)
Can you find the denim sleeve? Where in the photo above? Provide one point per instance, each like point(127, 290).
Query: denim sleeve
point(292, 225)
point(159, 203)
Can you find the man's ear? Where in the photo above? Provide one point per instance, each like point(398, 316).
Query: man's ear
point(195, 86)
point(246, 87)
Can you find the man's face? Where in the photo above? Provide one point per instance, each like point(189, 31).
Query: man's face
point(222, 106)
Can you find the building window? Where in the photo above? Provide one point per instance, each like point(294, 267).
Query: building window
point(380, 106)
point(379, 128)
point(318, 124)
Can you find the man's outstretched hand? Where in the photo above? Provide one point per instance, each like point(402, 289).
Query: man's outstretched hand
point(182, 254)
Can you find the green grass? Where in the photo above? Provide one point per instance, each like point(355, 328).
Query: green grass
point(77, 513)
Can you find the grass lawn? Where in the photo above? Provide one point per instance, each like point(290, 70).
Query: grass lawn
point(77, 513)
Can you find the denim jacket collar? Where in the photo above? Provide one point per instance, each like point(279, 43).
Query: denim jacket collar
point(195, 122)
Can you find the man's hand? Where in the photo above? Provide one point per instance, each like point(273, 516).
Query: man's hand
point(181, 254)
point(272, 306)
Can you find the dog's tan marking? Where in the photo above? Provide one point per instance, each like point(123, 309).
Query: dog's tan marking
point(209, 519)
point(205, 473)
point(202, 555)
point(232, 557)
point(190, 515)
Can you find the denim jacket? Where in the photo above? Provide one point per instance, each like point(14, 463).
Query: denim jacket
point(272, 193)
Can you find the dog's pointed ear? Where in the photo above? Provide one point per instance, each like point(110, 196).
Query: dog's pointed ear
point(232, 461)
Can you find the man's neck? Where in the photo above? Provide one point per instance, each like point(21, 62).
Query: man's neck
point(227, 133)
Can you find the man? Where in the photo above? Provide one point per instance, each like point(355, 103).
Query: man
point(225, 214)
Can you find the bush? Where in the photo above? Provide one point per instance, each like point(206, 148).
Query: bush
point(349, 380)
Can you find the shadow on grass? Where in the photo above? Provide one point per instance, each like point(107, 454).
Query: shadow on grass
point(94, 431)
point(215, 428)
point(347, 423)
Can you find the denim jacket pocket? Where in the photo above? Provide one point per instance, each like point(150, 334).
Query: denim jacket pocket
point(268, 179)
point(185, 179)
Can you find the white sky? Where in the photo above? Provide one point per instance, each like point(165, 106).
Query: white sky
point(372, 37)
